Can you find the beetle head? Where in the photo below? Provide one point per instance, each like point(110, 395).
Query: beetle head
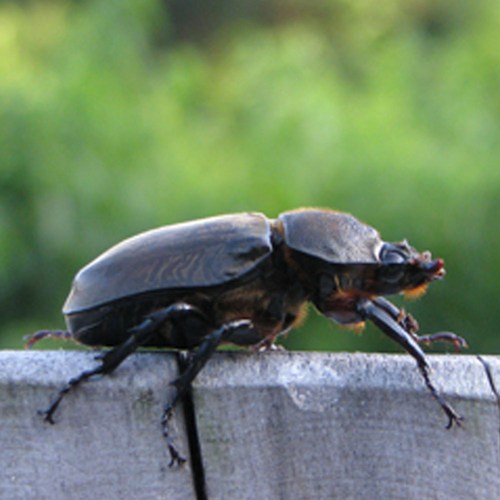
point(405, 270)
point(399, 269)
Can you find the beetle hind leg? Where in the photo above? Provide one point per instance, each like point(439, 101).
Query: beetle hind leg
point(139, 335)
point(48, 414)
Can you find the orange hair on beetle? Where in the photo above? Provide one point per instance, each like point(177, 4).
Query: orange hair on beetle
point(415, 293)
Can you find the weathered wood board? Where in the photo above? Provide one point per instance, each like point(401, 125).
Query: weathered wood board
point(328, 426)
point(270, 425)
point(107, 441)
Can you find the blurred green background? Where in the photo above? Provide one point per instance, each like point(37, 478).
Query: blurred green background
point(123, 115)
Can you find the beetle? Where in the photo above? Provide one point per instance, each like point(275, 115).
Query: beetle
point(243, 279)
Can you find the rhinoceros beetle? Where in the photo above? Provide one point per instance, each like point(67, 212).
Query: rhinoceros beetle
point(243, 279)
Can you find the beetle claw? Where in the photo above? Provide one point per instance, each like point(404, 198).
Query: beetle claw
point(453, 416)
point(175, 457)
point(100, 356)
point(47, 415)
point(456, 340)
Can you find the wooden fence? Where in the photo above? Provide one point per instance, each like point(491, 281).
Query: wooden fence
point(274, 425)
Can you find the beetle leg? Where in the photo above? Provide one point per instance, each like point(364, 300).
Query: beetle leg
point(44, 334)
point(203, 353)
point(383, 320)
point(456, 340)
point(109, 361)
point(72, 383)
point(140, 334)
point(112, 358)
point(194, 365)
point(387, 306)
point(409, 323)
point(268, 344)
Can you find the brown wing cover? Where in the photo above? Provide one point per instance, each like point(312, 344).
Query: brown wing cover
point(334, 237)
point(200, 253)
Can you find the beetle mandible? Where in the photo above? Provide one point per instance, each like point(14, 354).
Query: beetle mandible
point(243, 279)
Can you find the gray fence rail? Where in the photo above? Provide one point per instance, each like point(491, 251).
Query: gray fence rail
point(261, 426)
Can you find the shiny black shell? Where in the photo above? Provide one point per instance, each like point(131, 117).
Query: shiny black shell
point(333, 237)
point(200, 253)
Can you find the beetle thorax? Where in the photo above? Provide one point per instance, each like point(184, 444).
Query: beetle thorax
point(338, 291)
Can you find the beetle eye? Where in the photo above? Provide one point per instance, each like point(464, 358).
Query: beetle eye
point(394, 257)
point(392, 274)
point(391, 254)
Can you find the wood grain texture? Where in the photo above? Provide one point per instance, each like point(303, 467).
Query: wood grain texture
point(270, 426)
point(297, 425)
point(107, 442)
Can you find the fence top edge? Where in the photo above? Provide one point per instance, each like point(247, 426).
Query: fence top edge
point(463, 375)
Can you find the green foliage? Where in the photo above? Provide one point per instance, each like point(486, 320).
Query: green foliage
point(109, 125)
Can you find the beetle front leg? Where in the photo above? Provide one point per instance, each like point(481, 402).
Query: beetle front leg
point(195, 363)
point(456, 340)
point(409, 323)
point(386, 322)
